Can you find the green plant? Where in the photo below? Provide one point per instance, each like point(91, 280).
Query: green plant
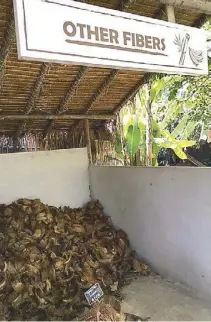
point(134, 122)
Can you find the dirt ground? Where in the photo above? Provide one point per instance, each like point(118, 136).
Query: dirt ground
point(161, 300)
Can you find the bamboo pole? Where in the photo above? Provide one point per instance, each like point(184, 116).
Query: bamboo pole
point(149, 137)
point(89, 149)
point(58, 117)
point(121, 132)
point(170, 13)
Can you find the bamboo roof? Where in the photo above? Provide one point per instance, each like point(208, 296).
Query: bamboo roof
point(29, 88)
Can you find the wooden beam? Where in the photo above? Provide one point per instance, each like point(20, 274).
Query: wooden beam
point(36, 90)
point(35, 94)
point(63, 106)
point(101, 89)
point(132, 93)
point(8, 40)
point(88, 140)
point(71, 90)
point(202, 6)
point(57, 117)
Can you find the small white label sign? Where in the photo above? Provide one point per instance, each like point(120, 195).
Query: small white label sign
point(67, 31)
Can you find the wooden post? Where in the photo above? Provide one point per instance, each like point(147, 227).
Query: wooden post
point(121, 132)
point(170, 14)
point(149, 137)
point(89, 149)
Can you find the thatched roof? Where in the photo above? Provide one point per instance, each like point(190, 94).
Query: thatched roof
point(28, 88)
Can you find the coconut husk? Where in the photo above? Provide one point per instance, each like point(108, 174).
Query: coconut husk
point(108, 310)
point(102, 312)
point(50, 256)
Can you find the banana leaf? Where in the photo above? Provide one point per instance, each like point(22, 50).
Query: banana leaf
point(133, 137)
point(180, 153)
point(175, 144)
point(185, 143)
point(156, 132)
point(180, 127)
point(189, 129)
point(156, 88)
point(142, 128)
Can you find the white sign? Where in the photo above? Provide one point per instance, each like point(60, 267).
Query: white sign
point(67, 31)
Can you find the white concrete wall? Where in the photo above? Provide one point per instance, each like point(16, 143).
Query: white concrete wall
point(167, 215)
point(58, 178)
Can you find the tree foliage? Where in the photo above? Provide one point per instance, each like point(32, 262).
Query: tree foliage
point(133, 118)
point(181, 109)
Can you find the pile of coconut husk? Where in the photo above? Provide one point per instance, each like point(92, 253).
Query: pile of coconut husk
point(109, 310)
point(50, 256)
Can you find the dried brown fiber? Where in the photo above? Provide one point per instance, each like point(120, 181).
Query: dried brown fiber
point(50, 256)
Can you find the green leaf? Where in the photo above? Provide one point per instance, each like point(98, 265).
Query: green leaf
point(127, 121)
point(168, 136)
point(156, 132)
point(156, 88)
point(180, 127)
point(133, 138)
point(189, 129)
point(177, 149)
point(165, 143)
point(185, 143)
point(142, 128)
point(141, 97)
point(171, 113)
point(180, 153)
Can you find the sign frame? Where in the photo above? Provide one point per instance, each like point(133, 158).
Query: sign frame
point(29, 47)
point(94, 294)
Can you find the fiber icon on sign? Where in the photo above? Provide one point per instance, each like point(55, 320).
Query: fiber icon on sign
point(196, 56)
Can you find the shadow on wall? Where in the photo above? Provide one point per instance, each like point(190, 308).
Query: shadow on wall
point(166, 213)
